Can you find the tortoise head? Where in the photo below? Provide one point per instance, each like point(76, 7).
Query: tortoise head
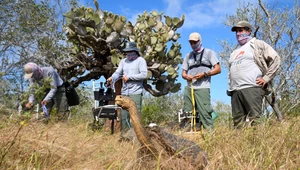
point(124, 101)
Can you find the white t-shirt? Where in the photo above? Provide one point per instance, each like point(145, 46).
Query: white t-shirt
point(243, 69)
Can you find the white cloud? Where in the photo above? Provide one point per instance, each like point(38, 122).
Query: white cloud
point(204, 13)
point(173, 7)
point(198, 14)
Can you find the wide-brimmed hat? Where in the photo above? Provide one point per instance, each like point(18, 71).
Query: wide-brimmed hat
point(131, 46)
point(195, 36)
point(241, 24)
point(29, 69)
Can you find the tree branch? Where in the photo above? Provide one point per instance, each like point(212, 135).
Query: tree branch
point(269, 19)
point(156, 93)
point(271, 100)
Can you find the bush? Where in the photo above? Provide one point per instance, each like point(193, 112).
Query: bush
point(161, 109)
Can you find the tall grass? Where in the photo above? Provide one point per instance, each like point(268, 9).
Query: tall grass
point(71, 145)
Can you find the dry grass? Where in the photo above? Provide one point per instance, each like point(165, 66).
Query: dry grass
point(73, 146)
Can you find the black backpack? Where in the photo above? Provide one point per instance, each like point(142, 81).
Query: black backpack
point(71, 94)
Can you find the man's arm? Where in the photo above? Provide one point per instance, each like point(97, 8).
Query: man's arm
point(54, 82)
point(273, 60)
point(31, 96)
point(186, 76)
point(117, 74)
point(185, 68)
point(216, 66)
point(214, 71)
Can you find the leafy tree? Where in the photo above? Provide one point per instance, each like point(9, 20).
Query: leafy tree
point(29, 31)
point(98, 38)
point(279, 27)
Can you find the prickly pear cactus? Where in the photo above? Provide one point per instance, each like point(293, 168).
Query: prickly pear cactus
point(98, 38)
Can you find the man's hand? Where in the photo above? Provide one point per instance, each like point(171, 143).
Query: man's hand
point(125, 79)
point(199, 76)
point(189, 77)
point(28, 105)
point(261, 82)
point(44, 102)
point(186, 76)
point(109, 81)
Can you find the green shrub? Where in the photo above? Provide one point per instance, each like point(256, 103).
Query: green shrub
point(161, 109)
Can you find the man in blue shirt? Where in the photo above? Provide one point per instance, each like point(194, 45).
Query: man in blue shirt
point(133, 71)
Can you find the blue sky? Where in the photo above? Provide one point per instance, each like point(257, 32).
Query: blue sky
point(201, 16)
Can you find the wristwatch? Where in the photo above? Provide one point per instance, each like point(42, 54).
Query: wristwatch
point(206, 74)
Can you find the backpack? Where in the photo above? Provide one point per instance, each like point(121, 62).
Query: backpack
point(71, 94)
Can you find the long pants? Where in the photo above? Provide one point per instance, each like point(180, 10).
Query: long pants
point(202, 104)
point(60, 103)
point(125, 117)
point(247, 105)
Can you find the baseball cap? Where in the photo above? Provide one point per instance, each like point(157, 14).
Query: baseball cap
point(29, 68)
point(195, 37)
point(241, 24)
